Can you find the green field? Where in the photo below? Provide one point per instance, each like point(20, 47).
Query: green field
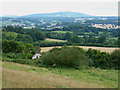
point(25, 76)
point(80, 35)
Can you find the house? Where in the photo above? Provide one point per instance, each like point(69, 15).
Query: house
point(37, 53)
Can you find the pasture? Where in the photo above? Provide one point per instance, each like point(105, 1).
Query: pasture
point(25, 76)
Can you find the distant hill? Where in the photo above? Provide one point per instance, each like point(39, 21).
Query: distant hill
point(59, 14)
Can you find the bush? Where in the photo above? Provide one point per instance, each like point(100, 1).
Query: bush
point(10, 46)
point(18, 55)
point(115, 56)
point(99, 59)
point(66, 56)
point(27, 61)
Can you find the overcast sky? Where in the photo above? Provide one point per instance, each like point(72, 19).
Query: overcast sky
point(91, 8)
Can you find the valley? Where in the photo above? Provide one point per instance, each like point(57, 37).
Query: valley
point(70, 50)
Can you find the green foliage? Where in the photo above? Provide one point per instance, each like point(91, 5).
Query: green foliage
point(115, 59)
point(91, 35)
point(48, 43)
point(12, 46)
point(17, 50)
point(118, 42)
point(55, 35)
point(25, 61)
point(68, 36)
point(16, 47)
point(100, 59)
point(66, 56)
point(14, 29)
point(22, 55)
point(101, 39)
point(24, 38)
point(24, 35)
point(9, 35)
point(36, 35)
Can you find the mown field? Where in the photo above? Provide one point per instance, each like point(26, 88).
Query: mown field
point(55, 40)
point(25, 76)
point(103, 49)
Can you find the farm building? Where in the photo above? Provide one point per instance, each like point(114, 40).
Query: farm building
point(37, 53)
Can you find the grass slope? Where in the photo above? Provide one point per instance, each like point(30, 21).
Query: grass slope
point(25, 76)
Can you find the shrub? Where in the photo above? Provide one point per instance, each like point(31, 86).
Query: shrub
point(66, 56)
point(18, 55)
point(99, 59)
point(10, 46)
point(25, 61)
point(115, 56)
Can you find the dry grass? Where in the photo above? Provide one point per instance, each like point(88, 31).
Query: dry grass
point(104, 49)
point(14, 78)
point(20, 79)
point(55, 40)
point(45, 49)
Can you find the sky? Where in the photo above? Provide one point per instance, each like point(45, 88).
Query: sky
point(106, 8)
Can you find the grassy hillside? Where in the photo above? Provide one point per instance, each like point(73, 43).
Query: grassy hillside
point(25, 76)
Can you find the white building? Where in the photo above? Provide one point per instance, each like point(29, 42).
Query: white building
point(37, 54)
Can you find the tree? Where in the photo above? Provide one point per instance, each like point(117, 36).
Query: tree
point(24, 38)
point(101, 39)
point(115, 56)
point(17, 47)
point(12, 46)
point(118, 41)
point(99, 59)
point(36, 35)
point(91, 39)
point(75, 39)
point(68, 36)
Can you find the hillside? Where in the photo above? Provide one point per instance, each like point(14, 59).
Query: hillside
point(59, 14)
point(25, 76)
